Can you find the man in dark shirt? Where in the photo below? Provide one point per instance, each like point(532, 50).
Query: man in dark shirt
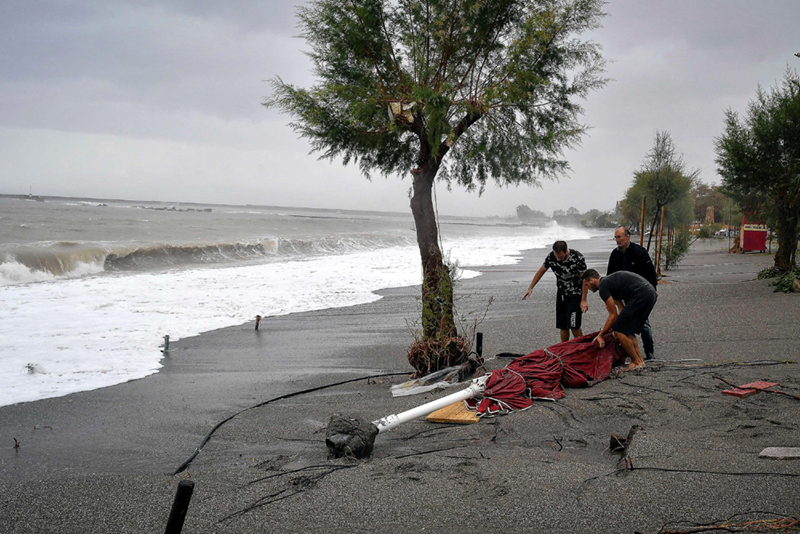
point(634, 258)
point(567, 265)
point(629, 299)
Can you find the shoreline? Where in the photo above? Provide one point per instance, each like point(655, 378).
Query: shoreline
point(105, 329)
point(119, 444)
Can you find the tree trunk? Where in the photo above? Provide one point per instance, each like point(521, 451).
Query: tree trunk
point(787, 238)
point(652, 228)
point(437, 285)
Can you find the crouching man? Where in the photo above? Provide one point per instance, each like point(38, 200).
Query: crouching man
point(629, 299)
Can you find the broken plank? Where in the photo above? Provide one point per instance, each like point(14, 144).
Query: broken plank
point(455, 413)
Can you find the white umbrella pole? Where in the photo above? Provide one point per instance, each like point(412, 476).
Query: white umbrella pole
point(391, 421)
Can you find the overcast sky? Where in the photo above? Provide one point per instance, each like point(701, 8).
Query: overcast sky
point(161, 100)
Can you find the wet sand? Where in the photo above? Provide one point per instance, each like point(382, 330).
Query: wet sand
point(102, 461)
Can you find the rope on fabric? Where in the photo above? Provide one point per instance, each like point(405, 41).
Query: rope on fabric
point(554, 355)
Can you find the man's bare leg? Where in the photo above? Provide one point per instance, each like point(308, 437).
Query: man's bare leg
point(564, 335)
point(631, 347)
point(577, 332)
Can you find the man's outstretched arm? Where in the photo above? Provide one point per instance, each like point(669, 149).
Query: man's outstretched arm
point(536, 278)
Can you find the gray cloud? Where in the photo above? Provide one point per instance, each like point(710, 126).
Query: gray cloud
point(153, 99)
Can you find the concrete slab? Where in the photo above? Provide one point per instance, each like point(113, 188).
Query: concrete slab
point(781, 453)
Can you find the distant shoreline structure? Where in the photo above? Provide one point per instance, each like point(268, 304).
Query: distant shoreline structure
point(157, 204)
point(213, 204)
point(29, 196)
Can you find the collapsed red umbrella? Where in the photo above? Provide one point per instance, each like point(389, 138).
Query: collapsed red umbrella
point(543, 374)
point(540, 374)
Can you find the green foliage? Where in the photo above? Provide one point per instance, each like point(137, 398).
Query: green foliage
point(705, 231)
point(732, 213)
point(495, 84)
point(758, 158)
point(524, 213)
point(678, 249)
point(784, 278)
point(705, 195)
point(664, 180)
point(401, 84)
point(598, 219)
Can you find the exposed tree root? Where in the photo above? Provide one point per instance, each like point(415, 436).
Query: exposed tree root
point(429, 355)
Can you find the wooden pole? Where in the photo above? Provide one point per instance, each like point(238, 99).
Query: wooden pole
point(179, 507)
point(660, 241)
point(641, 223)
point(669, 245)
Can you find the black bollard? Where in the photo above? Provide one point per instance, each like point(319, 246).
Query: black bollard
point(258, 321)
point(179, 507)
point(479, 343)
point(166, 343)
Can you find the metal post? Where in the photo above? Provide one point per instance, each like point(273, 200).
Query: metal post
point(166, 343)
point(730, 222)
point(179, 507)
point(479, 344)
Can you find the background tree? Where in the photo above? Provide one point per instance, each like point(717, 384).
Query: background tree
point(524, 213)
point(705, 195)
point(595, 218)
point(459, 91)
point(630, 207)
point(758, 158)
point(663, 178)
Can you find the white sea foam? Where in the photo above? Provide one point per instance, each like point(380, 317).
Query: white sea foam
point(90, 332)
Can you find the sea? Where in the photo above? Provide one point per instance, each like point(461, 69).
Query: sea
point(89, 288)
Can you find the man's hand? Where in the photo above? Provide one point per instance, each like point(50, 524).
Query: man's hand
point(584, 306)
point(600, 341)
point(527, 293)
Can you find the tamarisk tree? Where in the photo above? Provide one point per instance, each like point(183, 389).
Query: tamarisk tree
point(665, 181)
point(758, 158)
point(460, 91)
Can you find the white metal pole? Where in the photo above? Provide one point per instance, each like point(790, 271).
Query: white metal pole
point(391, 421)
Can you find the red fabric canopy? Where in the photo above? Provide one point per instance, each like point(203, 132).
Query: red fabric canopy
point(544, 373)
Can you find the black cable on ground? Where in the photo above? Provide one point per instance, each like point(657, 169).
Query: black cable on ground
point(185, 464)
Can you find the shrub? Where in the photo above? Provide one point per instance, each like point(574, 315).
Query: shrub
point(679, 249)
point(784, 278)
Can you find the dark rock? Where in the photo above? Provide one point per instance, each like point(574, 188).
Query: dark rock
point(349, 436)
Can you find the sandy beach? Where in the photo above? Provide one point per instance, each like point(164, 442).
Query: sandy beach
point(103, 460)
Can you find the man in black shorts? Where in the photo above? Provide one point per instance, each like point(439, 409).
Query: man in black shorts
point(567, 265)
point(629, 299)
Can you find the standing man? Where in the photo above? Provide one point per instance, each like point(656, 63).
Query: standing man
point(629, 299)
point(567, 265)
point(634, 258)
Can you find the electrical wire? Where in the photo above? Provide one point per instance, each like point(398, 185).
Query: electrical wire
point(216, 427)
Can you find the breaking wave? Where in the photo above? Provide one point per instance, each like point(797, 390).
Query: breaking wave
point(50, 261)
